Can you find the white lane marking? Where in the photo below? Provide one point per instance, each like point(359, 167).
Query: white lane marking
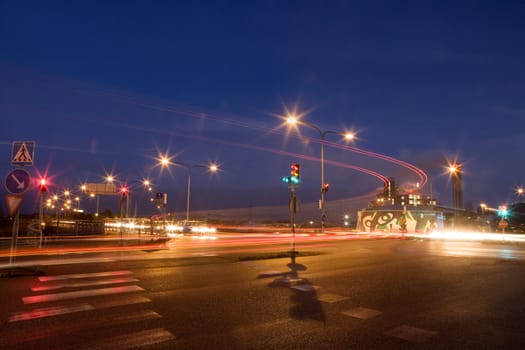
point(80, 294)
point(411, 334)
point(84, 275)
point(83, 284)
point(305, 287)
point(361, 313)
point(331, 297)
point(48, 312)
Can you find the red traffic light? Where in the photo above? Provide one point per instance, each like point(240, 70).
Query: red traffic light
point(124, 191)
point(326, 187)
point(43, 185)
point(295, 170)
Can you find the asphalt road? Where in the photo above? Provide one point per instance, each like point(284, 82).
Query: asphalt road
point(237, 293)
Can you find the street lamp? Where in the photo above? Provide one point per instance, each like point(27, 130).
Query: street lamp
point(212, 168)
point(165, 161)
point(92, 195)
point(456, 172)
point(519, 192)
point(293, 120)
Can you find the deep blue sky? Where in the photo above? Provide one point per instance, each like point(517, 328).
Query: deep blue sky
point(104, 86)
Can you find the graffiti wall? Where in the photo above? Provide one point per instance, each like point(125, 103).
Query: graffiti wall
point(399, 221)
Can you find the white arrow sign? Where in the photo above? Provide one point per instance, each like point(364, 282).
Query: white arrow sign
point(20, 184)
point(18, 181)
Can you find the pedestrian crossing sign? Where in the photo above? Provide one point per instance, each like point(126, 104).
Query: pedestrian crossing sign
point(23, 153)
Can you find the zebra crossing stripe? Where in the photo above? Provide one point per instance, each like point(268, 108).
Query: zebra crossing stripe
point(84, 275)
point(83, 284)
point(80, 294)
point(59, 329)
point(48, 312)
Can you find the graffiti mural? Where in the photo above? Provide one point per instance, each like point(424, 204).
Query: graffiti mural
point(399, 221)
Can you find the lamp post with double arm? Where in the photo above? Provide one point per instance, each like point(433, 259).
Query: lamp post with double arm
point(292, 120)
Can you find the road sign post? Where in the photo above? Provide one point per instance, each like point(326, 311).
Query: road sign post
point(503, 224)
point(18, 182)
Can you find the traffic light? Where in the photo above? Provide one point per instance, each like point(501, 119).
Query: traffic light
point(43, 185)
point(325, 187)
point(295, 175)
point(295, 170)
point(124, 191)
point(503, 212)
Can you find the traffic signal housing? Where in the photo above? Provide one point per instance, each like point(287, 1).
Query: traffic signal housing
point(295, 170)
point(325, 187)
point(295, 175)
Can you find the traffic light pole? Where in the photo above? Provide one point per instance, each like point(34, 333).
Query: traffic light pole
point(292, 182)
point(41, 217)
point(323, 212)
point(293, 210)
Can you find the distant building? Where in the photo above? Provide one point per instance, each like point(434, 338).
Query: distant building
point(401, 210)
point(392, 196)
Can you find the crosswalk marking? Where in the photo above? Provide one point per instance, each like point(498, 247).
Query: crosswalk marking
point(119, 285)
point(48, 312)
point(331, 297)
point(58, 330)
point(79, 294)
point(84, 275)
point(361, 313)
point(411, 334)
point(42, 288)
point(62, 310)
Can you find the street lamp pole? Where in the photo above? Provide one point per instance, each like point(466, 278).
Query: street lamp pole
point(212, 167)
point(188, 193)
point(165, 161)
point(322, 136)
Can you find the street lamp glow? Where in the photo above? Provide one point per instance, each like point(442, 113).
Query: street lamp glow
point(164, 161)
point(110, 178)
point(519, 191)
point(292, 120)
point(147, 184)
point(214, 168)
point(349, 136)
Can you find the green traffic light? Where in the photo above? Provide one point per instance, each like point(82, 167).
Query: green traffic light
point(503, 211)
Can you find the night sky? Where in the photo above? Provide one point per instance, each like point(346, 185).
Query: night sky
point(107, 87)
